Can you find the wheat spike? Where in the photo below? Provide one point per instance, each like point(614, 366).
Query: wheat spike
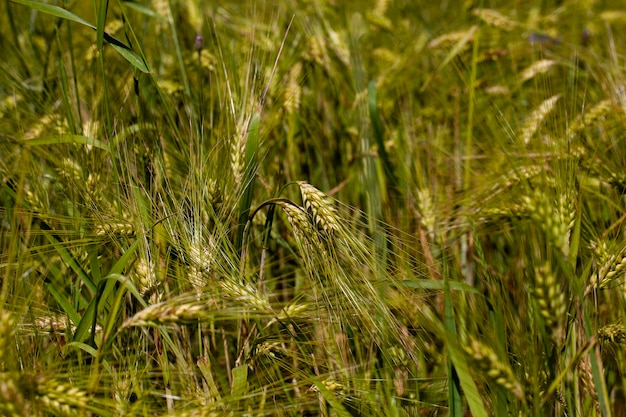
point(294, 311)
point(317, 51)
point(247, 294)
point(380, 9)
point(331, 385)
point(613, 16)
point(293, 92)
point(145, 275)
point(7, 332)
point(386, 56)
point(555, 218)
point(48, 125)
point(304, 230)
point(534, 120)
point(427, 211)
point(270, 349)
point(608, 267)
point(320, 207)
point(486, 360)
point(114, 228)
point(10, 104)
point(291, 312)
point(60, 398)
point(201, 258)
point(238, 151)
point(550, 298)
point(495, 18)
point(56, 324)
point(299, 220)
point(585, 376)
point(539, 67)
point(448, 40)
point(590, 118)
point(198, 307)
point(339, 45)
point(182, 310)
point(510, 179)
point(12, 403)
point(70, 169)
point(200, 412)
point(612, 339)
point(616, 270)
point(612, 334)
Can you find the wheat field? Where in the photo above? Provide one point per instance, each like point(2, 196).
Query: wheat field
point(303, 208)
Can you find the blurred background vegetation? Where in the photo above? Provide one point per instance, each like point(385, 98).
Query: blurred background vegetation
point(390, 208)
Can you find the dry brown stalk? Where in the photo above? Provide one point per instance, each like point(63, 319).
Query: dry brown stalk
point(587, 383)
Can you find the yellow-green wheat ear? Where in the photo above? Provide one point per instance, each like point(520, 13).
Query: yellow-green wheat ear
point(550, 297)
point(320, 207)
point(488, 363)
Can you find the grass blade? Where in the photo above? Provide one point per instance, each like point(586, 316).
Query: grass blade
point(101, 18)
point(131, 56)
point(378, 132)
point(63, 302)
point(87, 323)
point(69, 259)
point(252, 150)
point(240, 381)
point(124, 259)
point(429, 284)
point(465, 380)
point(82, 346)
point(54, 11)
point(75, 139)
point(124, 50)
point(455, 403)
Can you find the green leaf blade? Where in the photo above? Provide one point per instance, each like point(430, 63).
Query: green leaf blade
point(75, 139)
point(132, 57)
point(55, 11)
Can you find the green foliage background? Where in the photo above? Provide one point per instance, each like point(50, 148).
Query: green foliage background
point(166, 248)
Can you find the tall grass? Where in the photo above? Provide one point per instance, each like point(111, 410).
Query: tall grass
point(311, 208)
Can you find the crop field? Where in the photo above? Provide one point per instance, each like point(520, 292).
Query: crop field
point(312, 208)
